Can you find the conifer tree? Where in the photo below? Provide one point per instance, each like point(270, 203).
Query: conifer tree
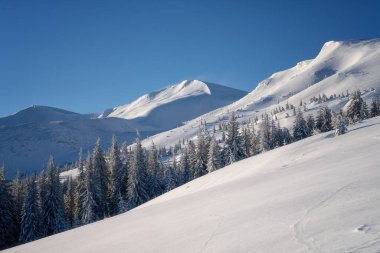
point(53, 211)
point(287, 136)
point(89, 205)
point(300, 129)
point(233, 140)
point(192, 157)
point(201, 157)
point(79, 188)
point(125, 159)
point(375, 108)
point(137, 185)
point(69, 199)
point(153, 166)
point(8, 229)
point(246, 142)
point(18, 194)
point(355, 107)
point(115, 176)
point(100, 177)
point(213, 162)
point(184, 166)
point(340, 124)
point(324, 119)
point(264, 133)
point(310, 122)
point(31, 217)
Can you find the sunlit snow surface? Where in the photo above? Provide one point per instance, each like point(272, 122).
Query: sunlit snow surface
point(321, 194)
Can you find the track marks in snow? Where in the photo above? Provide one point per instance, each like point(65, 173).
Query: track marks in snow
point(221, 218)
point(301, 226)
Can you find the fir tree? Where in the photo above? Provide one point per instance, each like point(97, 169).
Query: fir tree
point(213, 162)
point(53, 210)
point(154, 188)
point(264, 134)
point(100, 177)
point(115, 176)
point(355, 107)
point(310, 122)
point(324, 119)
point(31, 217)
point(233, 140)
point(300, 129)
point(80, 188)
point(125, 158)
point(246, 142)
point(8, 219)
point(184, 166)
point(192, 157)
point(201, 157)
point(137, 186)
point(340, 124)
point(18, 193)
point(375, 108)
point(88, 205)
point(69, 198)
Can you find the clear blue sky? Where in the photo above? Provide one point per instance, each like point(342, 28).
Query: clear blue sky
point(87, 56)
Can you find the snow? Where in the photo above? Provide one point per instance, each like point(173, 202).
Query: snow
point(171, 106)
point(320, 194)
point(340, 66)
point(62, 133)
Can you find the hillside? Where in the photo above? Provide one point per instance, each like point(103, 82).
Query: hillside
point(171, 106)
point(340, 67)
point(62, 133)
point(316, 195)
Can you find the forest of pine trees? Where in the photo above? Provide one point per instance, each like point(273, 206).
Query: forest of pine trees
point(112, 182)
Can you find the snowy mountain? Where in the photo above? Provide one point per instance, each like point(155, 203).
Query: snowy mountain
point(30, 136)
point(319, 194)
point(340, 66)
point(169, 107)
point(41, 114)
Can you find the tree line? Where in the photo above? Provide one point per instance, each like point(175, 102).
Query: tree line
point(112, 182)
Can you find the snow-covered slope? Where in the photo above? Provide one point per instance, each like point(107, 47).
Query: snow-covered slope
point(320, 194)
point(340, 66)
point(175, 104)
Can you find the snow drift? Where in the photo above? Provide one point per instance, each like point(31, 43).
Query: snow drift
point(316, 195)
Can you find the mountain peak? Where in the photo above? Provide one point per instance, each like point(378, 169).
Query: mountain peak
point(184, 100)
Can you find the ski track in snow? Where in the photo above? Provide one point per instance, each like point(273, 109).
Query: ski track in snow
point(299, 227)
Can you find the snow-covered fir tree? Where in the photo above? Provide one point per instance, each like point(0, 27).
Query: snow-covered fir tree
point(114, 180)
point(246, 142)
point(8, 230)
point(213, 161)
point(69, 199)
point(200, 167)
point(184, 166)
point(375, 108)
point(18, 194)
point(310, 122)
point(355, 107)
point(324, 119)
point(300, 129)
point(340, 124)
point(31, 216)
point(53, 211)
point(80, 188)
point(137, 185)
point(264, 133)
point(153, 166)
point(126, 160)
point(233, 140)
point(89, 205)
point(100, 177)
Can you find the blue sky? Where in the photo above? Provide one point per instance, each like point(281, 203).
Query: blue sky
point(87, 56)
